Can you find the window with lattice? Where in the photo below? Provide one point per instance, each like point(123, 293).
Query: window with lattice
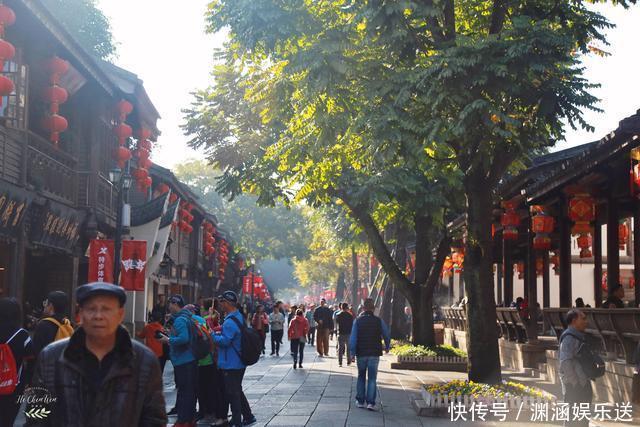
point(13, 112)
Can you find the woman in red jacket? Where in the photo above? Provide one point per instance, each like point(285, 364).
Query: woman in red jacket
point(298, 330)
point(260, 322)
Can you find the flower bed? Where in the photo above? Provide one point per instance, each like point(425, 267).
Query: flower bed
point(512, 394)
point(439, 358)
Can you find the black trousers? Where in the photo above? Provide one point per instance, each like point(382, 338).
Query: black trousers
point(276, 337)
point(240, 408)
point(220, 402)
point(311, 336)
point(186, 385)
point(9, 407)
point(576, 395)
point(297, 348)
point(206, 388)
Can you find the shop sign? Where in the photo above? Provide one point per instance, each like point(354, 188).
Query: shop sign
point(101, 261)
point(56, 226)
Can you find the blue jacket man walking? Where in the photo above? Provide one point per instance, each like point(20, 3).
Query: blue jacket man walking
point(229, 340)
point(366, 343)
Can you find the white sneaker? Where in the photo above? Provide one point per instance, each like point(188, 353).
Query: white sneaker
point(359, 405)
point(371, 406)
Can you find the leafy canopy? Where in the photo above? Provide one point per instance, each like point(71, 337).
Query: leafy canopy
point(87, 23)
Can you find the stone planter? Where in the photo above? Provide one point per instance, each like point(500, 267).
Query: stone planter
point(431, 363)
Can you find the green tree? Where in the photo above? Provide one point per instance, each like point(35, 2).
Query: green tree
point(471, 85)
point(260, 232)
point(86, 22)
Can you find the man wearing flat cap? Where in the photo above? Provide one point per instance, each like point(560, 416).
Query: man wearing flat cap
point(99, 376)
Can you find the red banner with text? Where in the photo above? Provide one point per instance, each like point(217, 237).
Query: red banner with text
point(134, 265)
point(101, 261)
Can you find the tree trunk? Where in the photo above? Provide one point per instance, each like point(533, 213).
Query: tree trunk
point(355, 286)
point(421, 319)
point(341, 287)
point(398, 323)
point(482, 335)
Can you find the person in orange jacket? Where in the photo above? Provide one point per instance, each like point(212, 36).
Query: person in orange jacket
point(298, 329)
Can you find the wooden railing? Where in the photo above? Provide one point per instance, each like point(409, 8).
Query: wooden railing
point(455, 318)
point(616, 330)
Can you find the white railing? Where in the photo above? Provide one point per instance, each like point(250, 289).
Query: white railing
point(431, 359)
point(514, 402)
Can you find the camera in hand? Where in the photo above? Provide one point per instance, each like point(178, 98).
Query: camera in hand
point(160, 334)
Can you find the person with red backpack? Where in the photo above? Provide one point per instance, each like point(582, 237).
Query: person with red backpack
point(16, 350)
point(54, 324)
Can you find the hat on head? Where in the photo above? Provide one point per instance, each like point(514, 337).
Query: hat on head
point(177, 299)
point(85, 292)
point(59, 301)
point(229, 296)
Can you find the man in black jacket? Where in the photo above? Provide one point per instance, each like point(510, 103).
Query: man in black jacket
point(323, 318)
point(344, 319)
point(54, 318)
point(99, 376)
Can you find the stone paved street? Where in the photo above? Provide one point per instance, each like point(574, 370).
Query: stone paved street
point(323, 394)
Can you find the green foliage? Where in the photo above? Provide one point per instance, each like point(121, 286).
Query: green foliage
point(86, 23)
point(420, 351)
point(259, 232)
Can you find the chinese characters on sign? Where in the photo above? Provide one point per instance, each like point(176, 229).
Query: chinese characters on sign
point(12, 211)
point(101, 261)
point(541, 412)
point(134, 260)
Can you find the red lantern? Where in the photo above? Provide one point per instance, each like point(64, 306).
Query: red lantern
point(124, 108)
point(510, 220)
point(623, 235)
point(584, 243)
point(55, 124)
point(542, 225)
point(7, 52)
point(7, 18)
point(122, 156)
point(144, 134)
point(145, 163)
point(163, 188)
point(123, 132)
point(55, 95)
point(56, 67)
point(173, 198)
point(520, 269)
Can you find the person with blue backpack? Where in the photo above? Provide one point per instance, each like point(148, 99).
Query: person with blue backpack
point(229, 339)
point(183, 360)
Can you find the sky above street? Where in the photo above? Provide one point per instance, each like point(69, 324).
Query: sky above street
point(165, 44)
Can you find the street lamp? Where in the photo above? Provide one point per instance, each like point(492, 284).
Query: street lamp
point(123, 183)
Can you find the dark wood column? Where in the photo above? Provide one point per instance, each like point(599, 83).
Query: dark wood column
point(597, 260)
point(451, 296)
point(546, 297)
point(531, 287)
point(499, 279)
point(636, 251)
point(564, 227)
point(508, 272)
point(613, 256)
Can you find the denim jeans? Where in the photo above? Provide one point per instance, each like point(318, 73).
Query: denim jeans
point(240, 408)
point(297, 348)
point(185, 376)
point(367, 373)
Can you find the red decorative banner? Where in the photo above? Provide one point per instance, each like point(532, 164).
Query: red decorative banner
point(101, 261)
point(134, 264)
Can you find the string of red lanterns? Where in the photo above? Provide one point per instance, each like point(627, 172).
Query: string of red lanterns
point(542, 225)
point(7, 50)
point(185, 217)
point(123, 132)
point(55, 95)
point(222, 258)
point(582, 211)
point(208, 240)
point(510, 220)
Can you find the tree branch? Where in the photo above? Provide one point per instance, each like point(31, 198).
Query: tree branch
point(423, 249)
point(377, 243)
point(436, 267)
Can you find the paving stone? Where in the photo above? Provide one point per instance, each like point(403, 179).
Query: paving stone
point(289, 420)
